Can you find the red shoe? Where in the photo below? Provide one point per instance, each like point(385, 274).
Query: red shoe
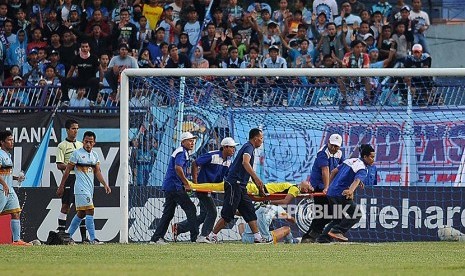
point(174, 229)
point(338, 236)
point(21, 243)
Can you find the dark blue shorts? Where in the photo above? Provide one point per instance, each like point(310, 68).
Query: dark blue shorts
point(236, 198)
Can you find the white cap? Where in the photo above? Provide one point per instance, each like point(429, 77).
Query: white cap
point(228, 141)
point(187, 135)
point(335, 139)
point(417, 47)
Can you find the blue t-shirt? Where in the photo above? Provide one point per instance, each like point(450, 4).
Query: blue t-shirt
point(213, 168)
point(237, 173)
point(172, 181)
point(324, 159)
point(372, 177)
point(84, 166)
point(349, 170)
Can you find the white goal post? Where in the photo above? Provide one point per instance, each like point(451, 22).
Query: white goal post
point(315, 72)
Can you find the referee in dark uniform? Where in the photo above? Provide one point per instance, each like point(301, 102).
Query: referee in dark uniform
point(64, 151)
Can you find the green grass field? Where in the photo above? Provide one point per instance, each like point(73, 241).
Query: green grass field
point(422, 258)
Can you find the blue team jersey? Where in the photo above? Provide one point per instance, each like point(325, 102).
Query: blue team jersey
point(84, 167)
point(349, 170)
point(172, 182)
point(213, 168)
point(6, 169)
point(324, 159)
point(372, 177)
point(237, 173)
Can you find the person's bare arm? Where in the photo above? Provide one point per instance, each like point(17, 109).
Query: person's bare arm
point(182, 176)
point(255, 178)
point(98, 174)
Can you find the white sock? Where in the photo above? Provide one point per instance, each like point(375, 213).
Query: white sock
point(257, 236)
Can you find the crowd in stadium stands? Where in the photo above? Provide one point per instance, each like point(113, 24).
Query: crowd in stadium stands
point(51, 43)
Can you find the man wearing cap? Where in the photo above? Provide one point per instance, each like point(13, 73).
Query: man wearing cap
point(30, 69)
point(175, 185)
point(53, 62)
point(213, 168)
point(327, 159)
point(419, 86)
point(177, 60)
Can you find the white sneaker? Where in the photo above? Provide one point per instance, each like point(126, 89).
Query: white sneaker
point(96, 242)
point(159, 242)
point(202, 239)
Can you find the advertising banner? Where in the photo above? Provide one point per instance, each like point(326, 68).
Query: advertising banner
point(389, 214)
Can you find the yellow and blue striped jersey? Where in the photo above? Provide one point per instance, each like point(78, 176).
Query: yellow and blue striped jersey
point(84, 166)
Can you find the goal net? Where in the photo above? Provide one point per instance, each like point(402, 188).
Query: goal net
point(414, 118)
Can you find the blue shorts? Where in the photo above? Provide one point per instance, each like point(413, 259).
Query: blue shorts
point(9, 204)
point(83, 202)
point(263, 222)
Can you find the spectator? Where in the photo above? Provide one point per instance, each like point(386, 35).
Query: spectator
point(21, 21)
point(86, 66)
point(347, 15)
point(382, 6)
point(53, 25)
point(50, 76)
point(14, 71)
point(8, 36)
point(143, 34)
point(42, 9)
point(402, 40)
point(355, 59)
point(17, 52)
point(222, 55)
point(36, 41)
point(300, 5)
point(98, 42)
point(125, 31)
point(152, 11)
point(160, 62)
point(420, 87)
point(420, 20)
point(169, 25)
point(278, 15)
point(55, 64)
point(198, 61)
point(220, 22)
point(144, 60)
point(253, 59)
point(384, 42)
point(118, 64)
point(395, 12)
point(98, 19)
point(374, 54)
point(55, 43)
point(209, 42)
point(177, 59)
point(136, 15)
point(192, 26)
point(184, 46)
point(233, 12)
point(356, 6)
point(97, 5)
point(177, 6)
point(154, 45)
point(31, 70)
point(65, 10)
point(329, 7)
point(68, 50)
point(333, 43)
point(80, 101)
